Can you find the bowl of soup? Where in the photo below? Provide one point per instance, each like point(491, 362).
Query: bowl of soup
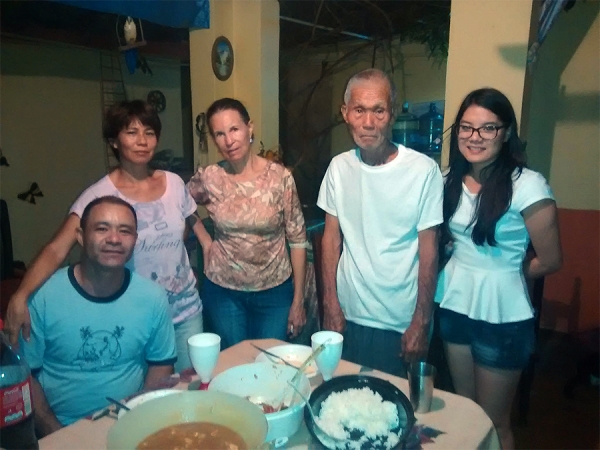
point(192, 419)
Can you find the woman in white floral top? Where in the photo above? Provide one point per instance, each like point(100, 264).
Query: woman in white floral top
point(254, 287)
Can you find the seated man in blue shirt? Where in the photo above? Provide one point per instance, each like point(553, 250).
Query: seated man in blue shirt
point(98, 329)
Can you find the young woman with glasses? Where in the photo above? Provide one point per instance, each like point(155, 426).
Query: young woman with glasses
point(493, 208)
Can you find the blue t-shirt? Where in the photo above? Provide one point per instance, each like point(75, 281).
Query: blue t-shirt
point(85, 348)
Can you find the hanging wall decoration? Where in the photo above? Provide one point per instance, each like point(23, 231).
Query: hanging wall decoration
point(222, 58)
point(30, 195)
point(129, 41)
point(157, 99)
point(3, 160)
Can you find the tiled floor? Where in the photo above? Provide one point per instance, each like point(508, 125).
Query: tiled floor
point(555, 421)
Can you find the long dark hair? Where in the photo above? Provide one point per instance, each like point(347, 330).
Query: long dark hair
point(497, 179)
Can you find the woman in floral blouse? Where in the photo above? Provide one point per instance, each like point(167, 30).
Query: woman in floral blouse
point(254, 287)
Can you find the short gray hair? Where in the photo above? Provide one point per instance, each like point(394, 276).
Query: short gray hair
point(369, 74)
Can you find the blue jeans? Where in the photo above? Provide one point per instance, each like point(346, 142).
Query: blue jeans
point(183, 330)
point(240, 315)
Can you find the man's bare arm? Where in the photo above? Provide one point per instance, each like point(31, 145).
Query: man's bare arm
point(332, 249)
point(156, 374)
point(415, 341)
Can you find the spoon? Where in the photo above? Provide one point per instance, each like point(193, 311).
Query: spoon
point(118, 403)
point(334, 439)
point(316, 352)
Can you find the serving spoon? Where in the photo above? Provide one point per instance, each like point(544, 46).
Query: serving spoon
point(326, 435)
point(316, 352)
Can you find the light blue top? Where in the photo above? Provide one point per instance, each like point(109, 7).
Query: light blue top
point(84, 348)
point(484, 282)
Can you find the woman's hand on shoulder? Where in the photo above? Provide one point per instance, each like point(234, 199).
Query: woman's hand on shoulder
point(17, 318)
point(42, 268)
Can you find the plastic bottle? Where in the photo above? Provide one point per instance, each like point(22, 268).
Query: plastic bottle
point(405, 129)
point(16, 407)
point(431, 126)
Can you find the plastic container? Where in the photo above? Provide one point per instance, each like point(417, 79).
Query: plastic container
point(405, 129)
point(431, 127)
point(16, 419)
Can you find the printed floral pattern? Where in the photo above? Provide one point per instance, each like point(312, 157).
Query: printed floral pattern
point(252, 221)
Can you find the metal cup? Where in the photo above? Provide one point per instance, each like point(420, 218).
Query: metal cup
point(420, 382)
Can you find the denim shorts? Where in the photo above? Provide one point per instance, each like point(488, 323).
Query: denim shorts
point(500, 346)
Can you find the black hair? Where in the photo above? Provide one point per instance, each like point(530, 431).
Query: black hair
point(225, 104)
point(496, 192)
point(111, 199)
point(121, 115)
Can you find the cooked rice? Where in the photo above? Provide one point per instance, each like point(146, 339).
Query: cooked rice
point(364, 411)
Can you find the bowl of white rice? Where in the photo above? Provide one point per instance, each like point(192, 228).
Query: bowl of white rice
point(363, 412)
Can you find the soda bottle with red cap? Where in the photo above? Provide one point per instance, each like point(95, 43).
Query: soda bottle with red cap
point(17, 429)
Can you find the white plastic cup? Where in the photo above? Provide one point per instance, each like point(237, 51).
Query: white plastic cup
point(204, 349)
point(328, 360)
point(420, 381)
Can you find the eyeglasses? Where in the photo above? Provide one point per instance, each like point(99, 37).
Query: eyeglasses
point(486, 132)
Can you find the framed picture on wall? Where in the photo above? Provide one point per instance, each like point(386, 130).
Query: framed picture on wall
point(222, 58)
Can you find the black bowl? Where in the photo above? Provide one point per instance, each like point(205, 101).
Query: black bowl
point(387, 390)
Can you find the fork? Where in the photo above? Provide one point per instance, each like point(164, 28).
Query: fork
point(273, 355)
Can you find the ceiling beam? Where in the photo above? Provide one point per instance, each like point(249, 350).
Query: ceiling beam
point(321, 27)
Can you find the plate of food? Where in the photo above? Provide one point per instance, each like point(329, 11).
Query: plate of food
point(142, 398)
point(367, 412)
point(294, 354)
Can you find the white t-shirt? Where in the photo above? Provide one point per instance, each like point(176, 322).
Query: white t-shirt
point(381, 209)
point(487, 283)
point(159, 254)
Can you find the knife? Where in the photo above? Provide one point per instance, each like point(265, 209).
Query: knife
point(266, 352)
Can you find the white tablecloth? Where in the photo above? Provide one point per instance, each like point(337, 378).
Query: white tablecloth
point(464, 424)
